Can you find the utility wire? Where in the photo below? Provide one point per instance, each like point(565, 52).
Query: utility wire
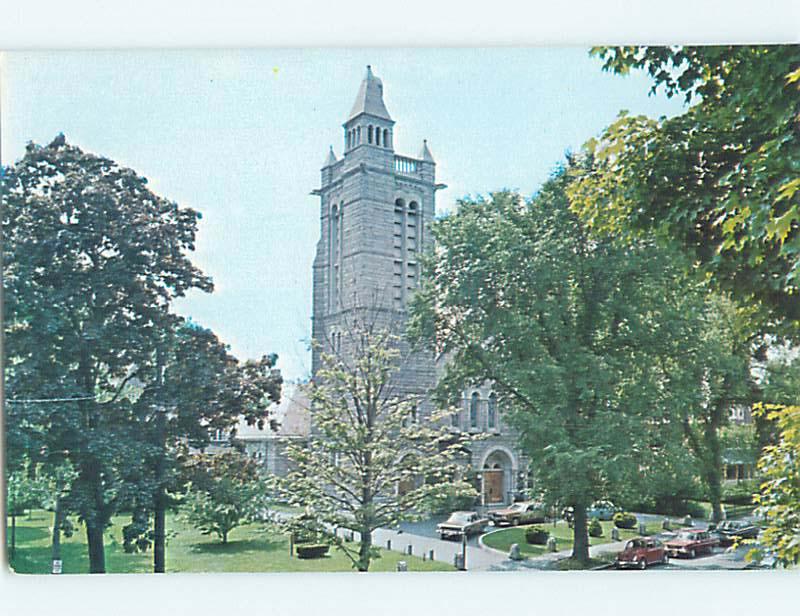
point(44, 400)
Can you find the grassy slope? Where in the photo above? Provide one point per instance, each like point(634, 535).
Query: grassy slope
point(249, 549)
point(503, 539)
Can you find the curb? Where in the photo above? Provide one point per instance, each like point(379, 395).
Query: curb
point(483, 546)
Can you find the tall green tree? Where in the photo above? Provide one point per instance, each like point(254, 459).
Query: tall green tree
point(779, 496)
point(721, 179)
point(722, 354)
point(198, 388)
point(581, 337)
point(226, 491)
point(92, 259)
point(24, 491)
point(371, 462)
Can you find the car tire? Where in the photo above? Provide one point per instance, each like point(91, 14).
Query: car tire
point(643, 564)
point(515, 522)
point(665, 559)
point(692, 553)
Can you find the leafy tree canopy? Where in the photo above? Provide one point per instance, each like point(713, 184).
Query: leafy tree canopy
point(779, 497)
point(583, 338)
point(721, 179)
point(91, 260)
point(226, 491)
point(372, 460)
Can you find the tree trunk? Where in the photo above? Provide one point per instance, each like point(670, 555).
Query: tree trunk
point(97, 554)
point(57, 521)
point(580, 544)
point(714, 461)
point(160, 497)
point(224, 537)
point(13, 535)
point(160, 532)
point(714, 492)
point(365, 546)
point(95, 512)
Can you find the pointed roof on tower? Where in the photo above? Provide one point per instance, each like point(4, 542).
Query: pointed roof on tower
point(330, 159)
point(370, 98)
point(425, 153)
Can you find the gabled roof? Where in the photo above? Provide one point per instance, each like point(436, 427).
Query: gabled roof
point(369, 99)
point(292, 414)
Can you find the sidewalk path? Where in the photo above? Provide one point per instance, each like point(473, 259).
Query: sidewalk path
point(478, 558)
point(547, 561)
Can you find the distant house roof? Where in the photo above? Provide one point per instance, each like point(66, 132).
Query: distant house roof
point(292, 414)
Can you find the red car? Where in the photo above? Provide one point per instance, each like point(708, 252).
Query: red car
point(640, 553)
point(691, 543)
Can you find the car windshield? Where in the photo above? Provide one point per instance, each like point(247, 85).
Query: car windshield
point(635, 543)
point(687, 536)
point(459, 517)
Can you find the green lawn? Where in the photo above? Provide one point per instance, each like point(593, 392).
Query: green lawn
point(249, 549)
point(502, 540)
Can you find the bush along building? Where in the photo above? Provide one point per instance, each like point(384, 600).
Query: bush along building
point(376, 208)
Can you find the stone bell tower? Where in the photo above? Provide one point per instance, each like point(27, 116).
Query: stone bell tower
point(375, 210)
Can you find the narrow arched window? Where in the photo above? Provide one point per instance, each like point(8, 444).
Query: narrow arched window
point(377, 136)
point(386, 137)
point(358, 134)
point(473, 410)
point(347, 140)
point(492, 410)
point(369, 134)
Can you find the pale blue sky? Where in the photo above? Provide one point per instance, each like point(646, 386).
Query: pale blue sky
point(241, 136)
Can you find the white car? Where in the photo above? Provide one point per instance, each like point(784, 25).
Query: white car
point(461, 524)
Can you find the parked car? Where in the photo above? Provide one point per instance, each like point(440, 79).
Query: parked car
point(735, 530)
point(691, 542)
point(525, 512)
point(640, 553)
point(461, 524)
point(602, 510)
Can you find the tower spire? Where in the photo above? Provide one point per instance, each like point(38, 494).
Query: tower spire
point(330, 159)
point(369, 99)
point(425, 153)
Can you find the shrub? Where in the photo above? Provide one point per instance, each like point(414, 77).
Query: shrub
point(449, 502)
point(536, 535)
point(695, 510)
point(740, 493)
point(624, 520)
point(312, 550)
point(595, 528)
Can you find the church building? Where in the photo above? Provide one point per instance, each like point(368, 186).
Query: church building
point(376, 209)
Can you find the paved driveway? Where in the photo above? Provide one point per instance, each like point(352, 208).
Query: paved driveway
point(427, 528)
point(478, 558)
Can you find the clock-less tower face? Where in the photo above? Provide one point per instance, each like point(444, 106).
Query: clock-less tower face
point(375, 210)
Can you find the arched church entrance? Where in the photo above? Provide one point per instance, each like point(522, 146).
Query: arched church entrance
point(497, 476)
